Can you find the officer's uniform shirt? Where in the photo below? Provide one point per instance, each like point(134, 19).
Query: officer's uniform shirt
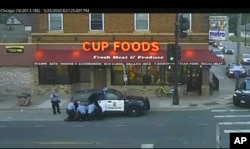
point(71, 106)
point(54, 97)
point(82, 109)
point(91, 108)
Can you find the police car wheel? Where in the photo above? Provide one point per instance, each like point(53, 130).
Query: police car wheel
point(134, 111)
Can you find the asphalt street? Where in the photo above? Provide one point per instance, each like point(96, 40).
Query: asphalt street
point(221, 70)
point(162, 129)
point(171, 129)
point(230, 120)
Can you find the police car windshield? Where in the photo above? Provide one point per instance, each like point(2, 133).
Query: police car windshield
point(245, 86)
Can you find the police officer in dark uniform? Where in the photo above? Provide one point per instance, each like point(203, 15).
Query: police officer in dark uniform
point(54, 97)
point(98, 110)
point(71, 111)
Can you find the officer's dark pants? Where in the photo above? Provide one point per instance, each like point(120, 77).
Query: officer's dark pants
point(81, 117)
point(71, 115)
point(55, 106)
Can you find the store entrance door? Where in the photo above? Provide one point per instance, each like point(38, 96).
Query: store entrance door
point(194, 79)
point(100, 77)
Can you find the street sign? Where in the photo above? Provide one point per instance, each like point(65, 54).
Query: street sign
point(218, 27)
point(237, 73)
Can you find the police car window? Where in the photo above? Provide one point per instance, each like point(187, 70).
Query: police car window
point(83, 97)
point(242, 86)
point(247, 85)
point(116, 92)
point(112, 96)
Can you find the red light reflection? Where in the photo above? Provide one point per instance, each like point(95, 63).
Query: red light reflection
point(189, 53)
point(112, 52)
point(76, 53)
point(151, 53)
point(39, 54)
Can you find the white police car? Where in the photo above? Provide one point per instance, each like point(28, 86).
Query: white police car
point(241, 95)
point(113, 101)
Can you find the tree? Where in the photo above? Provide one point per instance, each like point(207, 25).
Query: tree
point(3, 18)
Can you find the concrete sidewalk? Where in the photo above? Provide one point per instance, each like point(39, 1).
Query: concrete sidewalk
point(157, 103)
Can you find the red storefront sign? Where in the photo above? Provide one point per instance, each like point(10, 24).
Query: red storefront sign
point(107, 57)
point(121, 46)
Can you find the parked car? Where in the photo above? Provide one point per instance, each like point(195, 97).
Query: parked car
point(221, 47)
point(113, 101)
point(218, 53)
point(216, 43)
point(228, 50)
point(241, 96)
point(210, 41)
point(233, 68)
point(245, 59)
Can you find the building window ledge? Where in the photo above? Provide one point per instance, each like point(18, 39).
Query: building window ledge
point(55, 32)
point(96, 32)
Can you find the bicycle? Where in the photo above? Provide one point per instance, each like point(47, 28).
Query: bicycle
point(162, 90)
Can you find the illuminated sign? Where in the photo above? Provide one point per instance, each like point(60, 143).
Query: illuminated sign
point(217, 35)
point(14, 49)
point(122, 46)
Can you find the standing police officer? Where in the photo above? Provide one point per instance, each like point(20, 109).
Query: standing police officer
point(54, 97)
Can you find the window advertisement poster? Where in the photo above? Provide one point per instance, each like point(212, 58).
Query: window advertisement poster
point(218, 27)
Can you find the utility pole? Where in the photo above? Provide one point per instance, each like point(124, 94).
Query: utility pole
point(176, 96)
point(238, 47)
point(246, 31)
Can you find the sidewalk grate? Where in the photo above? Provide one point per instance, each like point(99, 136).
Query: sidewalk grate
point(210, 103)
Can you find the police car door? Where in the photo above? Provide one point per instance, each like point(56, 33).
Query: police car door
point(102, 102)
point(114, 102)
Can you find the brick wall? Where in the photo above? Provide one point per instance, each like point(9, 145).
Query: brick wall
point(122, 23)
point(15, 80)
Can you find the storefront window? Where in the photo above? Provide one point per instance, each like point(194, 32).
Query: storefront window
point(74, 74)
point(149, 75)
point(137, 75)
point(84, 73)
point(117, 75)
point(62, 74)
point(169, 74)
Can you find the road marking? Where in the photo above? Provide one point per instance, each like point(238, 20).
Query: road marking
point(147, 145)
point(234, 123)
point(160, 124)
point(235, 131)
point(38, 126)
point(202, 124)
point(120, 125)
point(230, 116)
point(193, 117)
point(67, 143)
point(231, 110)
point(2, 126)
point(79, 126)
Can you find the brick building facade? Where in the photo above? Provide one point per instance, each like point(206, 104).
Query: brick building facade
point(60, 32)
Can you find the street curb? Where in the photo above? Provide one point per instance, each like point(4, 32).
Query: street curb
point(180, 107)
